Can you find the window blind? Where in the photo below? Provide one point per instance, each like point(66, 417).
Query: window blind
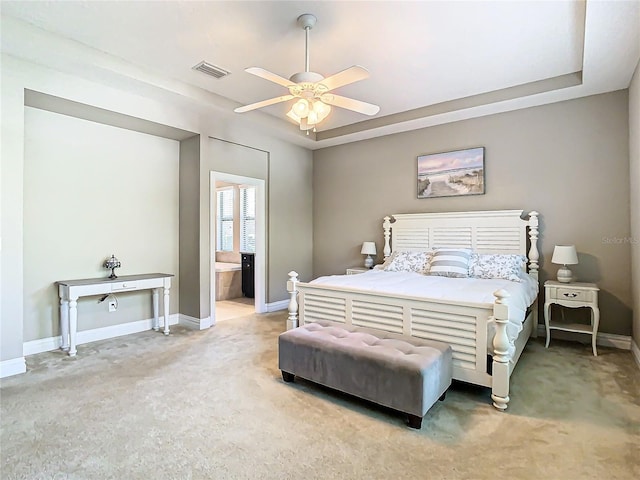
point(248, 219)
point(225, 220)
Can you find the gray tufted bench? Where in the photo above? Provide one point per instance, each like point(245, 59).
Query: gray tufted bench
point(404, 373)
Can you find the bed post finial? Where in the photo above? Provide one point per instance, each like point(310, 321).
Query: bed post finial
point(534, 255)
point(501, 357)
point(386, 225)
point(292, 288)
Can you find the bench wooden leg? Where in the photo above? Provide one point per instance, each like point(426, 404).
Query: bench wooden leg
point(287, 377)
point(415, 421)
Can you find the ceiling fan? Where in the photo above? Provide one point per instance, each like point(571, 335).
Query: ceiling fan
point(312, 90)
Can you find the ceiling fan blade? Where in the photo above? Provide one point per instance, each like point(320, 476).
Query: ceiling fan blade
point(350, 104)
point(345, 77)
point(267, 75)
point(263, 103)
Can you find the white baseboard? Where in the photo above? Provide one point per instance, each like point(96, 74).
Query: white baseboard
point(195, 323)
point(613, 340)
point(276, 306)
point(623, 342)
point(87, 336)
point(13, 366)
point(635, 350)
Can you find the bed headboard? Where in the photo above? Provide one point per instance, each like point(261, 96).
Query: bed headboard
point(493, 231)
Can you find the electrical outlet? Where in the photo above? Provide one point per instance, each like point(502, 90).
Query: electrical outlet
point(113, 306)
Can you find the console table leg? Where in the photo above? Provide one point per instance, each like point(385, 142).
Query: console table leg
point(547, 312)
point(595, 321)
point(73, 325)
point(166, 311)
point(64, 324)
point(156, 321)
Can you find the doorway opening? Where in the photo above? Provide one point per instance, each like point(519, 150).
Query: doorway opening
point(237, 246)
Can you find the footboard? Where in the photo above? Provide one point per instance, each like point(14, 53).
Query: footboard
point(463, 326)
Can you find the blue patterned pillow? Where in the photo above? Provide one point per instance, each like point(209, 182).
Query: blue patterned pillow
point(408, 261)
point(450, 262)
point(505, 266)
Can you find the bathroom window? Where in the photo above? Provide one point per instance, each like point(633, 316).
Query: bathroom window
point(225, 220)
point(248, 219)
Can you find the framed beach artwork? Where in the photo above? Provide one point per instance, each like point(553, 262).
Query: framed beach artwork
point(449, 174)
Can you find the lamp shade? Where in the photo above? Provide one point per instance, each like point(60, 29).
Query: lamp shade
point(368, 248)
point(565, 255)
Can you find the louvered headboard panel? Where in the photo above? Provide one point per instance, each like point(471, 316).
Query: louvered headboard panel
point(411, 239)
point(497, 231)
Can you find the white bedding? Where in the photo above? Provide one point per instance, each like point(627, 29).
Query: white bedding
point(468, 290)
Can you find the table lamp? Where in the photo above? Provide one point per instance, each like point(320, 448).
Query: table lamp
point(112, 263)
point(565, 255)
point(368, 249)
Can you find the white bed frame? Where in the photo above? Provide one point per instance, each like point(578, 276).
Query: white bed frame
point(462, 325)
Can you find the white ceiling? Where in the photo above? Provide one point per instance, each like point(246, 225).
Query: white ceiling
point(423, 57)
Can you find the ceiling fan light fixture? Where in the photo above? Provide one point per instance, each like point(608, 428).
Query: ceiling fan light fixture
point(312, 118)
point(292, 115)
point(301, 108)
point(322, 109)
point(309, 113)
point(301, 121)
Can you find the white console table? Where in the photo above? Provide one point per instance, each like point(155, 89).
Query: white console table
point(70, 290)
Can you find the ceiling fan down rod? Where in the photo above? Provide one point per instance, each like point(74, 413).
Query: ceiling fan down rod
point(306, 21)
point(306, 49)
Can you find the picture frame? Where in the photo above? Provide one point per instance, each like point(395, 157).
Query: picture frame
point(451, 174)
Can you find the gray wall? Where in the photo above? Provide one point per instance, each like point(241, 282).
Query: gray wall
point(634, 175)
point(93, 190)
point(568, 160)
point(287, 171)
point(290, 180)
point(189, 266)
point(223, 156)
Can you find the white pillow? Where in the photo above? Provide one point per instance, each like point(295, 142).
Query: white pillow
point(450, 262)
point(489, 265)
point(402, 261)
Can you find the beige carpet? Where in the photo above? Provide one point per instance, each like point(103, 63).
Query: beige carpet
point(212, 405)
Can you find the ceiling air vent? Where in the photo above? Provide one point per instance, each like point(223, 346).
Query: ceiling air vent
point(211, 70)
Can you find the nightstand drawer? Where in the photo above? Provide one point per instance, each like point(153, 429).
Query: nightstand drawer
point(356, 270)
point(572, 294)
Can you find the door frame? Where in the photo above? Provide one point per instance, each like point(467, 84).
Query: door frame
point(260, 264)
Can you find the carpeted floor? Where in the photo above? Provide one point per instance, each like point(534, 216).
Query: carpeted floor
point(212, 405)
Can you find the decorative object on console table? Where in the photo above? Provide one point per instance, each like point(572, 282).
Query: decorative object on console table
point(572, 296)
point(368, 249)
point(565, 255)
point(112, 263)
point(460, 172)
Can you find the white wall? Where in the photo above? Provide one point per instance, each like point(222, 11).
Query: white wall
point(92, 190)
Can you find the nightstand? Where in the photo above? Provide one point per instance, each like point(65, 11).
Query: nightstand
point(355, 270)
point(572, 295)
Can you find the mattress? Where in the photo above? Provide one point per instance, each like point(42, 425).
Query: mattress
point(475, 291)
